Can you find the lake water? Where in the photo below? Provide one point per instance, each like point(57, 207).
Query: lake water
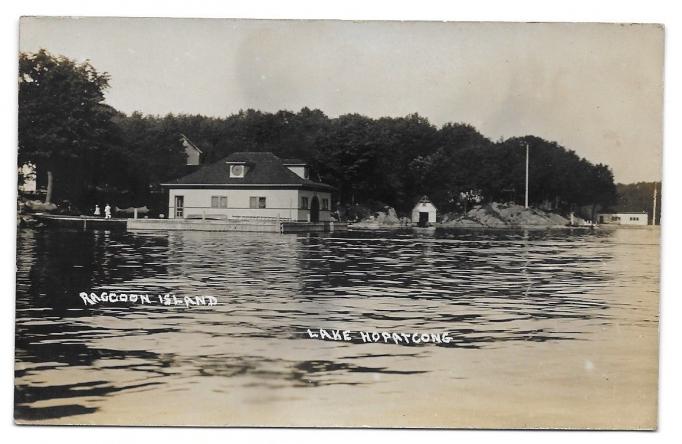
point(547, 328)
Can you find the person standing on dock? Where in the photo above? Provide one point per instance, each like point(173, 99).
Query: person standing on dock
point(107, 212)
point(97, 212)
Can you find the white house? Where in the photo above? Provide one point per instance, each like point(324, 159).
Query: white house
point(623, 218)
point(191, 150)
point(250, 185)
point(424, 212)
point(28, 173)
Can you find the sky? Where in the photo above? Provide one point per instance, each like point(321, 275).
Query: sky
point(596, 89)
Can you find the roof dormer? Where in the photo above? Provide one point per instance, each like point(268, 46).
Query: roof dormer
point(297, 167)
point(237, 170)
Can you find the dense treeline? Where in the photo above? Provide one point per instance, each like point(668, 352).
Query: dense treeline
point(91, 149)
point(65, 128)
point(636, 197)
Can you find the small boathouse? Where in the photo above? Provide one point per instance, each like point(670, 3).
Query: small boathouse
point(424, 212)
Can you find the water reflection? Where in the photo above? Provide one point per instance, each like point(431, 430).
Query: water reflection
point(486, 289)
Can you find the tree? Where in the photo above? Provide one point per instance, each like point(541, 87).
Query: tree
point(603, 190)
point(64, 124)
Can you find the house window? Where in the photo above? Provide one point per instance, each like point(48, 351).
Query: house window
point(325, 204)
point(304, 203)
point(256, 202)
point(218, 201)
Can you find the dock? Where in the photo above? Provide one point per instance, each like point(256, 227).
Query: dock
point(83, 222)
point(236, 225)
point(201, 225)
point(247, 225)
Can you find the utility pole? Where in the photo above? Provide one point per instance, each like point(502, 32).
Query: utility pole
point(527, 157)
point(653, 216)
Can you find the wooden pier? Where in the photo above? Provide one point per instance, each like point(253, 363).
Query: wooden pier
point(251, 225)
point(83, 222)
point(201, 225)
point(236, 225)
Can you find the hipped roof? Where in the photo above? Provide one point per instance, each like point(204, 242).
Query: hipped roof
point(264, 168)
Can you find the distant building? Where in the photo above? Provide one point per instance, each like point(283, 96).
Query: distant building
point(28, 173)
point(623, 218)
point(250, 185)
point(193, 152)
point(424, 212)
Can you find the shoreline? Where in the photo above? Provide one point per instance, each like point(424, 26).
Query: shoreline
point(603, 227)
point(39, 218)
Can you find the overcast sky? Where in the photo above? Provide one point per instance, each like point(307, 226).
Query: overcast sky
point(595, 89)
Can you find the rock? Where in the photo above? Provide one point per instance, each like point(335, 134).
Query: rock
point(387, 219)
point(498, 215)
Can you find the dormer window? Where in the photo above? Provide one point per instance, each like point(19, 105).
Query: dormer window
point(298, 167)
point(237, 170)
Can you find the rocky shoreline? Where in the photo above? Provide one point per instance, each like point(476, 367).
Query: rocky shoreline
point(490, 216)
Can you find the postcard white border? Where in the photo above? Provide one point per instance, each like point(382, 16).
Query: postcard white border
point(650, 11)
